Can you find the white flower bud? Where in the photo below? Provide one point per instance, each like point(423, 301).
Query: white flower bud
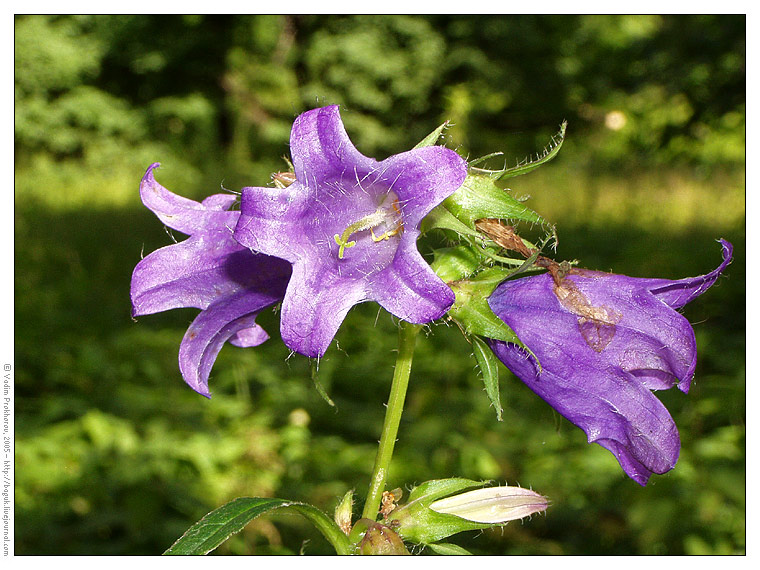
point(492, 505)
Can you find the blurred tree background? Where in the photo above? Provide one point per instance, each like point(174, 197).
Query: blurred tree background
point(116, 455)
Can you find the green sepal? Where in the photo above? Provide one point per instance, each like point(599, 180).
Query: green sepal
point(489, 368)
point(433, 137)
point(430, 491)
point(548, 153)
point(456, 263)
point(314, 364)
point(448, 549)
point(471, 310)
point(484, 158)
point(480, 197)
point(442, 219)
point(218, 525)
point(416, 522)
point(473, 314)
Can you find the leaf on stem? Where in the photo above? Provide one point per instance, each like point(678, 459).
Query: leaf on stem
point(218, 525)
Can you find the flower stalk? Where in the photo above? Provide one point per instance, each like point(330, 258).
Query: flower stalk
point(407, 338)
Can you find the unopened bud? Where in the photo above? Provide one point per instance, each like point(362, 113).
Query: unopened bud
point(344, 511)
point(381, 540)
point(493, 505)
point(283, 179)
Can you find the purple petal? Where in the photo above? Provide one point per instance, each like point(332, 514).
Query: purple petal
point(679, 293)
point(613, 408)
point(603, 342)
point(349, 226)
point(269, 221)
point(313, 312)
point(213, 327)
point(183, 214)
point(321, 149)
point(246, 338)
point(192, 273)
point(220, 202)
point(410, 289)
point(423, 178)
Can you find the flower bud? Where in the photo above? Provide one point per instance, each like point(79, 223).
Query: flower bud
point(343, 512)
point(493, 505)
point(381, 540)
point(417, 523)
point(283, 179)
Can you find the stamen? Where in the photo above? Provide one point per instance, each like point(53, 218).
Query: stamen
point(386, 235)
point(383, 215)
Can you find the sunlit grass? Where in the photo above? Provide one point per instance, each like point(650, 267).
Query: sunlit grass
point(668, 201)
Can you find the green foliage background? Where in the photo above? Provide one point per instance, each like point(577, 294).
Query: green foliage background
point(115, 455)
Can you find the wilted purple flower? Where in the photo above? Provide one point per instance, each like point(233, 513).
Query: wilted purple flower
point(603, 341)
point(208, 271)
point(349, 225)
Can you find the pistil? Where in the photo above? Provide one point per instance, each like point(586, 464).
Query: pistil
point(383, 215)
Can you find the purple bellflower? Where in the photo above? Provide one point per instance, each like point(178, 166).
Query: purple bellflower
point(209, 271)
point(603, 341)
point(349, 224)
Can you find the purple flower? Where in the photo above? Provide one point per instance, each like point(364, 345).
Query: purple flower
point(208, 271)
point(349, 225)
point(603, 342)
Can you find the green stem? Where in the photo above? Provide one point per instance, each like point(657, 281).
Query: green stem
point(407, 337)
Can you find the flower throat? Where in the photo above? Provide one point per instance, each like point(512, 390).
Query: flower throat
point(388, 214)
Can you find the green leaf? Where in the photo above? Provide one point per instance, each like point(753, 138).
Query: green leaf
point(548, 153)
point(489, 368)
point(433, 137)
point(448, 549)
point(218, 525)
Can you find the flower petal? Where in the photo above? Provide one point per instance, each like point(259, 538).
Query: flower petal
point(423, 178)
point(410, 289)
point(492, 505)
point(183, 214)
point(613, 408)
point(269, 221)
point(192, 273)
point(246, 338)
point(678, 293)
point(647, 338)
point(314, 308)
point(213, 327)
point(321, 149)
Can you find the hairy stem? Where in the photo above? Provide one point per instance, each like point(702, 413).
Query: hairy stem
point(407, 337)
